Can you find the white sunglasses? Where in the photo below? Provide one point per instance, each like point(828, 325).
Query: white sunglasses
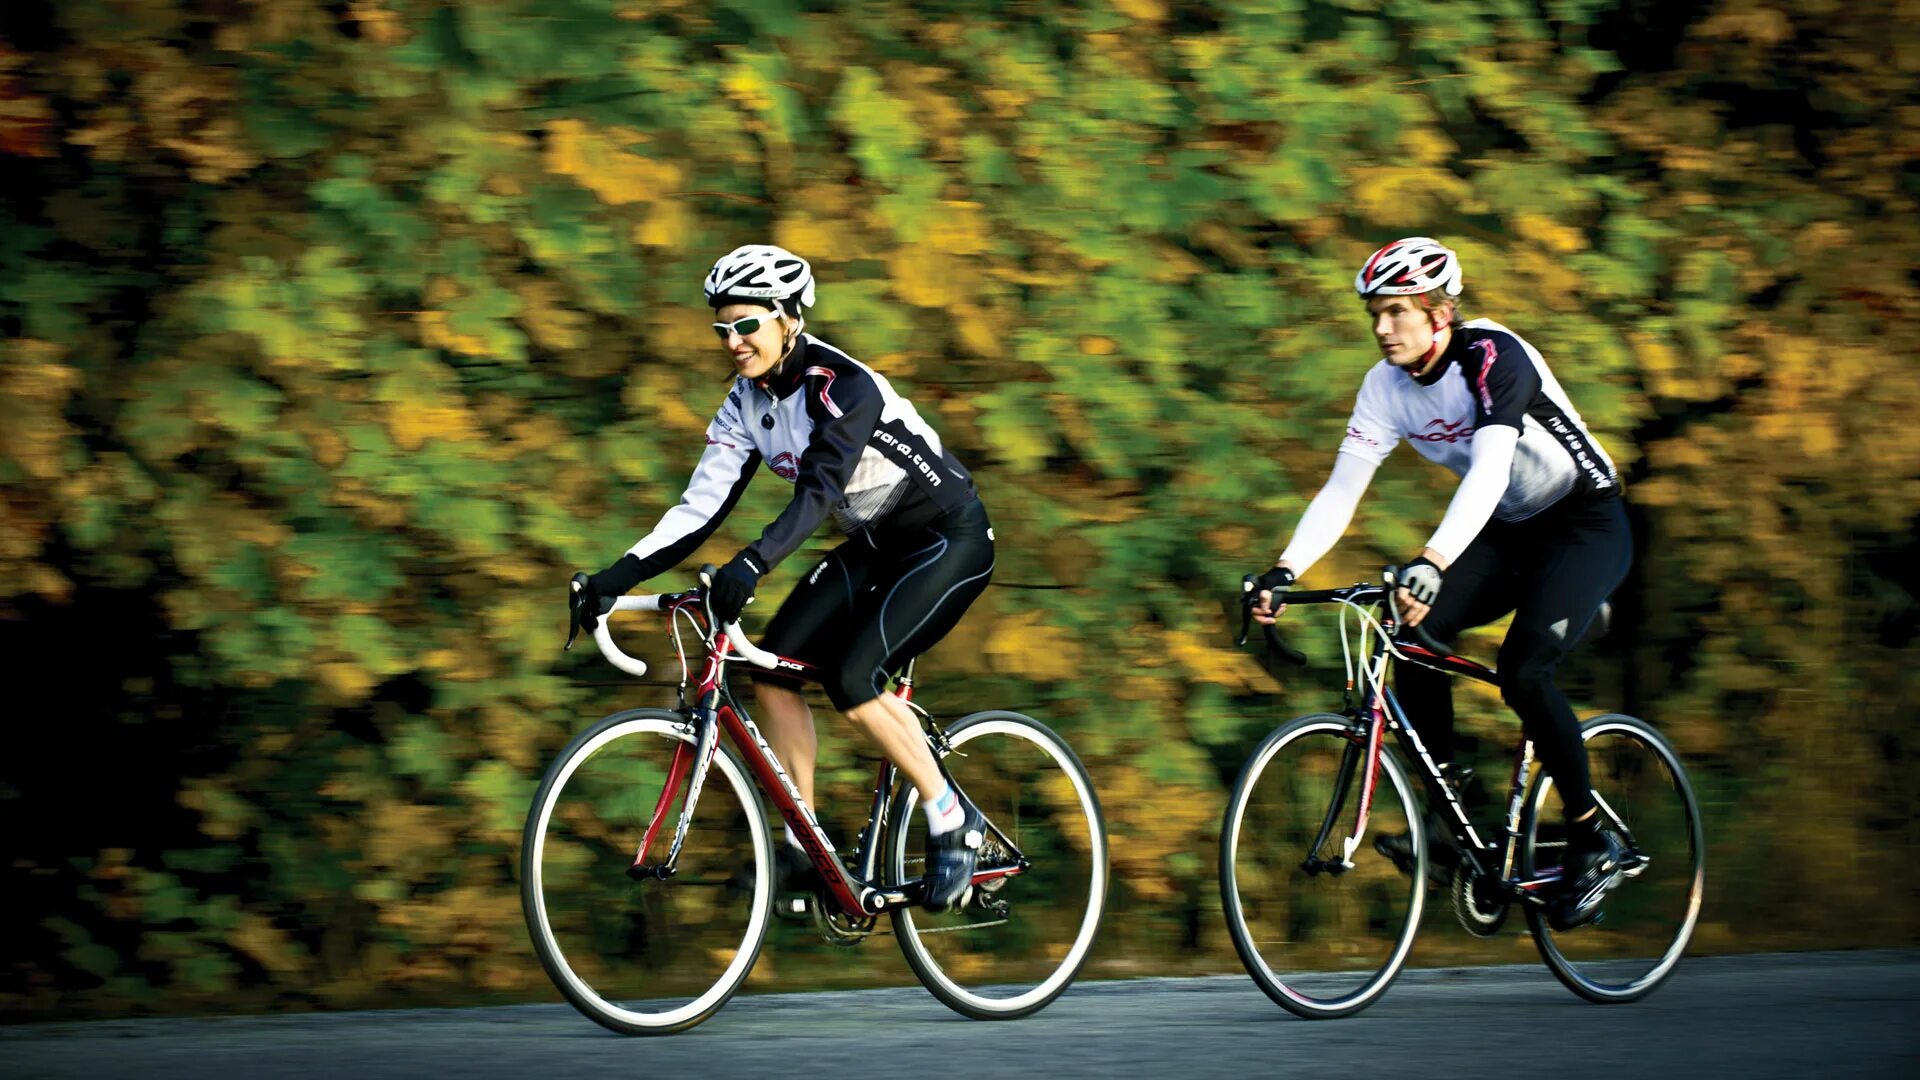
point(745, 326)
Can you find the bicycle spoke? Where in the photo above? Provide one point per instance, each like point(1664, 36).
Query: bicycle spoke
point(1021, 937)
point(1319, 943)
point(651, 955)
point(1648, 918)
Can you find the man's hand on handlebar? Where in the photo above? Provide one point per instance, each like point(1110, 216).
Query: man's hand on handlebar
point(1419, 587)
point(1262, 598)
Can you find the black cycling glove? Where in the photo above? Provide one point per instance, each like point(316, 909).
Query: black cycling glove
point(1277, 580)
point(603, 588)
point(1421, 579)
point(732, 587)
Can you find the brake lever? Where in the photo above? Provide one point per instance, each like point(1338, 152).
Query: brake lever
point(576, 599)
point(1275, 646)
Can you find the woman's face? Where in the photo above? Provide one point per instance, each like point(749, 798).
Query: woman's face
point(756, 352)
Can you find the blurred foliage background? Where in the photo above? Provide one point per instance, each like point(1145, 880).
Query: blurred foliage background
point(334, 334)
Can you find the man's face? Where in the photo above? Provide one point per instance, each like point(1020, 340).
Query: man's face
point(1402, 328)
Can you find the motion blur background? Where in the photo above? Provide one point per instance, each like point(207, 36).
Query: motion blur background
point(335, 334)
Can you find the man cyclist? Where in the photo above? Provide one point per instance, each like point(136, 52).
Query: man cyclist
point(920, 548)
point(1536, 526)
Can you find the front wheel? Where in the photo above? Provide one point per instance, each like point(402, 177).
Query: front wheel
point(1319, 936)
point(647, 957)
point(1021, 936)
point(1648, 918)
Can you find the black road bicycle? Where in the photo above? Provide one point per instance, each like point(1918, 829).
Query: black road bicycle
point(651, 942)
point(1324, 923)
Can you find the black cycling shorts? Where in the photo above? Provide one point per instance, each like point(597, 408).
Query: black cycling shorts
point(881, 599)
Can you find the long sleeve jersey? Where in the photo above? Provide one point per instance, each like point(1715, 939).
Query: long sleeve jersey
point(1488, 378)
point(836, 430)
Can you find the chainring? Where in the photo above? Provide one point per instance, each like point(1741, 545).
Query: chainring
point(837, 929)
point(1480, 912)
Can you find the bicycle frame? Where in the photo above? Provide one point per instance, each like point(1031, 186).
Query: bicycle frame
point(714, 711)
point(1377, 711)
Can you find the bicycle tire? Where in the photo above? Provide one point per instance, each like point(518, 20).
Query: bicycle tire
point(1678, 885)
point(1057, 822)
point(575, 977)
point(1295, 895)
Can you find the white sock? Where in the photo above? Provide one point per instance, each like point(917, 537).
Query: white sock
point(943, 812)
point(793, 840)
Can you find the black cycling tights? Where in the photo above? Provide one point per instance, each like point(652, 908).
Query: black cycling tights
point(881, 599)
point(1552, 571)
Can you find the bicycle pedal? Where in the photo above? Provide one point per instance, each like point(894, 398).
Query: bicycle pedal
point(794, 907)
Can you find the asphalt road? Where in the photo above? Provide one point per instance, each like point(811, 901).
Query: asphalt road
point(1835, 1014)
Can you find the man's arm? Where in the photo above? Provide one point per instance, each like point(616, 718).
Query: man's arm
point(1474, 501)
point(1328, 515)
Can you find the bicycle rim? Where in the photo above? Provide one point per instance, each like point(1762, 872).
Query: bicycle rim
point(1321, 945)
point(984, 962)
point(1646, 920)
point(644, 957)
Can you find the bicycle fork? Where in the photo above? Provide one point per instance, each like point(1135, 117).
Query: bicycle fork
point(695, 759)
point(1342, 782)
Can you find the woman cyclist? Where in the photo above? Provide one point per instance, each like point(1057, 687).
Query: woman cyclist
point(1536, 526)
point(920, 548)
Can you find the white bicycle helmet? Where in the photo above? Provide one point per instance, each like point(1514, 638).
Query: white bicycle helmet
point(1409, 267)
point(761, 272)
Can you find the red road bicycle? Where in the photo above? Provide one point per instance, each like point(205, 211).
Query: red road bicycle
point(1324, 923)
point(649, 931)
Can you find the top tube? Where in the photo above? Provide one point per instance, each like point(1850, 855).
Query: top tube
point(1414, 642)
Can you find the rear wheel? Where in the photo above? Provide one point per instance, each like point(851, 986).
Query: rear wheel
point(1648, 918)
point(1023, 934)
point(646, 957)
point(1321, 940)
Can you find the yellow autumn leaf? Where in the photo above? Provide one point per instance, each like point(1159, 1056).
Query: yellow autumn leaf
point(1424, 144)
point(668, 224)
point(660, 395)
point(961, 228)
point(980, 333)
point(412, 422)
point(1022, 644)
point(1143, 10)
point(437, 333)
point(1208, 662)
point(273, 949)
point(748, 87)
point(920, 277)
point(615, 175)
point(1545, 231)
point(548, 321)
point(347, 683)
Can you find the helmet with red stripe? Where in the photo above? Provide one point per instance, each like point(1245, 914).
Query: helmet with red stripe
point(1409, 267)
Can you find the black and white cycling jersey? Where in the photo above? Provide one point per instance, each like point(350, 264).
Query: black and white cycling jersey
point(1492, 413)
point(835, 429)
point(1489, 376)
